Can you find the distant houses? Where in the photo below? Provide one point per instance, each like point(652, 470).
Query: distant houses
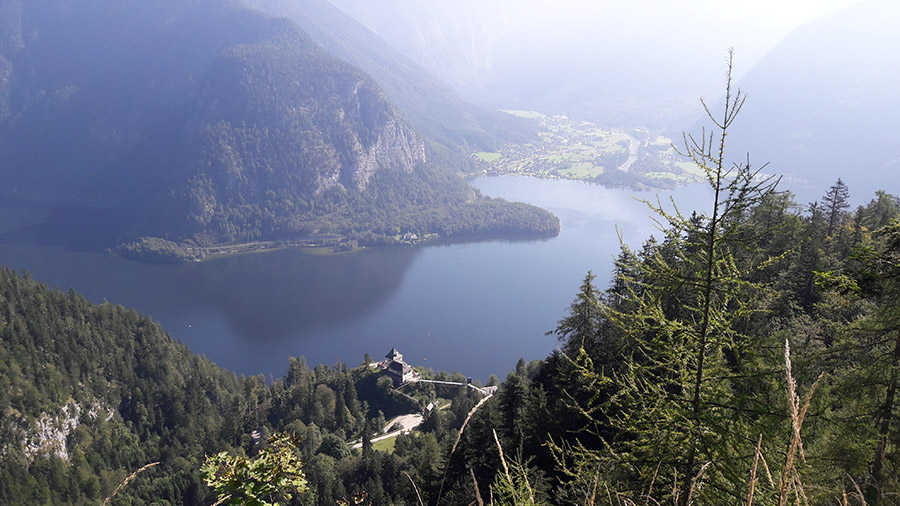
point(398, 369)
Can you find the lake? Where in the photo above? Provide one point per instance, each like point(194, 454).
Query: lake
point(473, 307)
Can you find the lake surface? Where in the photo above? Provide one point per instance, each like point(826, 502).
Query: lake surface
point(471, 307)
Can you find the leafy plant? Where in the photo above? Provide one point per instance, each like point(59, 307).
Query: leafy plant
point(273, 475)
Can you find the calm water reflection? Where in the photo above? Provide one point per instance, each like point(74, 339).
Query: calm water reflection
point(471, 307)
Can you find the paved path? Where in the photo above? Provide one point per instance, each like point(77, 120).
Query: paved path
point(402, 424)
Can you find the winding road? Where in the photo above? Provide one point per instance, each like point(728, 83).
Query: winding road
point(632, 154)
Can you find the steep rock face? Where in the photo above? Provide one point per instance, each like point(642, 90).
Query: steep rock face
point(432, 107)
point(274, 125)
point(48, 433)
point(283, 87)
point(396, 147)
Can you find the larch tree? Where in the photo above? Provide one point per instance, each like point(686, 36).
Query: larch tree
point(681, 310)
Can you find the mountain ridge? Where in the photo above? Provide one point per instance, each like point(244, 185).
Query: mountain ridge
point(432, 106)
point(211, 123)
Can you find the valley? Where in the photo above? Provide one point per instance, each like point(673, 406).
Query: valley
point(633, 158)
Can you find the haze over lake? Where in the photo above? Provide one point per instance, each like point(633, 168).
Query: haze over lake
point(469, 307)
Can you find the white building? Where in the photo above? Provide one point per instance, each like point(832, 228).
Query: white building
point(396, 367)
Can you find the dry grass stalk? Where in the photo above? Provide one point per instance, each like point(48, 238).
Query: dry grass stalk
point(793, 398)
point(696, 483)
point(222, 500)
point(799, 491)
point(675, 487)
point(652, 481)
point(502, 459)
point(466, 421)
point(862, 498)
point(618, 498)
point(128, 480)
point(589, 500)
point(753, 471)
point(477, 492)
point(419, 496)
point(798, 413)
point(456, 443)
point(765, 464)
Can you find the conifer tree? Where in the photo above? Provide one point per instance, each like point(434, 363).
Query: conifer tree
point(884, 323)
point(835, 204)
point(580, 328)
point(681, 312)
point(863, 303)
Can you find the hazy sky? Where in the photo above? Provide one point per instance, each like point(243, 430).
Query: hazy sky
point(637, 57)
point(519, 32)
point(756, 26)
point(679, 27)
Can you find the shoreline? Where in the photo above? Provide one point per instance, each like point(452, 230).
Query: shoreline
point(329, 247)
point(174, 253)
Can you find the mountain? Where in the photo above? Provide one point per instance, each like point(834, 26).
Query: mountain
point(432, 107)
point(822, 103)
point(613, 63)
point(456, 41)
point(210, 123)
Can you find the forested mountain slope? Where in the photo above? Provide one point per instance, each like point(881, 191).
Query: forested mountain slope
point(210, 123)
point(432, 107)
point(91, 393)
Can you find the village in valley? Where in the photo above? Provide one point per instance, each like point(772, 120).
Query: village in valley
point(581, 150)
